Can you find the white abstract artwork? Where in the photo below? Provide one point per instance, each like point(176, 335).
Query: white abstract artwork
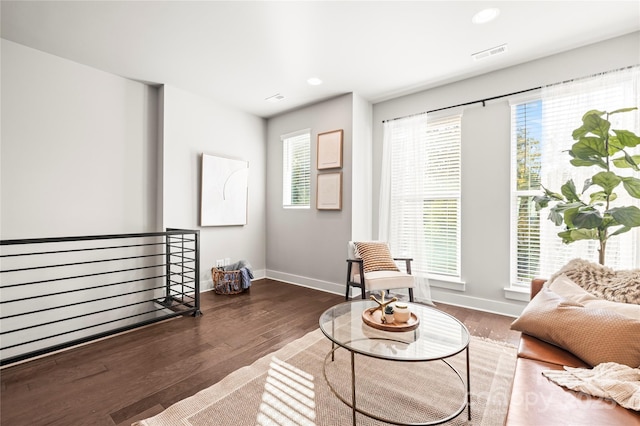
point(224, 191)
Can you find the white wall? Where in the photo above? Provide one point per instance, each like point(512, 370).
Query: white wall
point(309, 246)
point(362, 187)
point(78, 157)
point(87, 152)
point(192, 125)
point(78, 148)
point(486, 160)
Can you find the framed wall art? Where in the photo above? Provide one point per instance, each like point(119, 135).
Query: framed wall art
point(224, 191)
point(329, 192)
point(329, 150)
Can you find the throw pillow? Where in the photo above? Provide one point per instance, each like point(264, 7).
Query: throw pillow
point(564, 287)
point(375, 256)
point(603, 282)
point(594, 335)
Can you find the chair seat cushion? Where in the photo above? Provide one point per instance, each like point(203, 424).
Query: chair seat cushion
point(386, 280)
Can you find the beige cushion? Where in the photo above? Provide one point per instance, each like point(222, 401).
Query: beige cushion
point(386, 280)
point(565, 287)
point(594, 335)
point(375, 256)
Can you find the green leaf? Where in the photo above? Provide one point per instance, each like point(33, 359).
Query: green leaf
point(627, 216)
point(561, 207)
point(587, 185)
point(619, 231)
point(632, 185)
point(587, 218)
point(587, 125)
point(555, 216)
point(614, 146)
point(553, 195)
point(588, 163)
point(627, 161)
point(608, 221)
point(595, 124)
point(601, 196)
point(627, 138)
point(607, 180)
point(588, 147)
point(578, 234)
point(568, 216)
point(541, 202)
point(569, 191)
point(623, 110)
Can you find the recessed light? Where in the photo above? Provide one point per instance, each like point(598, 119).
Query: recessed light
point(314, 81)
point(486, 15)
point(274, 98)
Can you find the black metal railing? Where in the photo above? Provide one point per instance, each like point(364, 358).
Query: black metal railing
point(59, 292)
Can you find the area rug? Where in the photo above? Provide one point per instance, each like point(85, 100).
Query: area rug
point(288, 387)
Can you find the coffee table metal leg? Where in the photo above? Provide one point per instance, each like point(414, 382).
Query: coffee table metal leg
point(468, 387)
point(353, 388)
point(333, 344)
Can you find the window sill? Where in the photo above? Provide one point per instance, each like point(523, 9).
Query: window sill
point(516, 293)
point(448, 283)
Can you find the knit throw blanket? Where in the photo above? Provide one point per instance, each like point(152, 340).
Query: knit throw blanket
point(603, 282)
point(609, 380)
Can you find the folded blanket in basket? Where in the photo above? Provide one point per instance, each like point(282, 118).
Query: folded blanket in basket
point(246, 275)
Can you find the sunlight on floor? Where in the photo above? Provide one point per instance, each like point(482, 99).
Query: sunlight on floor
point(288, 397)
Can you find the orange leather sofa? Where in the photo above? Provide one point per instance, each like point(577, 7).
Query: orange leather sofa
point(537, 401)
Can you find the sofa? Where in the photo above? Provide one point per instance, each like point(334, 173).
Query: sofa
point(535, 400)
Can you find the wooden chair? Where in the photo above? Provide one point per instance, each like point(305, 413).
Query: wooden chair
point(376, 281)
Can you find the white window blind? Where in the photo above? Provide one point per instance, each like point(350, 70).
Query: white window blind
point(541, 135)
point(525, 227)
point(296, 169)
point(425, 192)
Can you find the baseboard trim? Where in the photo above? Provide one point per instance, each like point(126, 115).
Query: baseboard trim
point(510, 309)
point(313, 283)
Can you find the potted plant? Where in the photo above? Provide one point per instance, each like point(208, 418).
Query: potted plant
point(590, 214)
point(388, 314)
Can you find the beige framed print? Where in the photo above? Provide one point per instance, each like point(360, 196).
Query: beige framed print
point(329, 150)
point(329, 191)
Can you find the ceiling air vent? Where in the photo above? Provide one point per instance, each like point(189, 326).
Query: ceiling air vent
point(490, 52)
point(275, 98)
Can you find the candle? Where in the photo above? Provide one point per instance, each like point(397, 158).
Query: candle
point(401, 312)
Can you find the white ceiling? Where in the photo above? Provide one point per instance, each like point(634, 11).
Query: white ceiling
point(240, 52)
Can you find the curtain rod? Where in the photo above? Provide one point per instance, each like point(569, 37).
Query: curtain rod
point(483, 101)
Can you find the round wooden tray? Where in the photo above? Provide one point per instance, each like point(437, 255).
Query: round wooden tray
point(371, 317)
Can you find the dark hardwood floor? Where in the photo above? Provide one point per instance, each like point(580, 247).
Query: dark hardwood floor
point(135, 375)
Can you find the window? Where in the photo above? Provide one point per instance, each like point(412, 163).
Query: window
point(541, 135)
point(296, 169)
point(425, 182)
point(527, 128)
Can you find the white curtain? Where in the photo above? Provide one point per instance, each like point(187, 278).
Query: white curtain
point(563, 106)
point(401, 201)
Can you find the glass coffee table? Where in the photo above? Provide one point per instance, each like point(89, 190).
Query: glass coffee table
point(437, 337)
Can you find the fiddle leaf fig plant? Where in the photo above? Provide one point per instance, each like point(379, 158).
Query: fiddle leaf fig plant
point(589, 214)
